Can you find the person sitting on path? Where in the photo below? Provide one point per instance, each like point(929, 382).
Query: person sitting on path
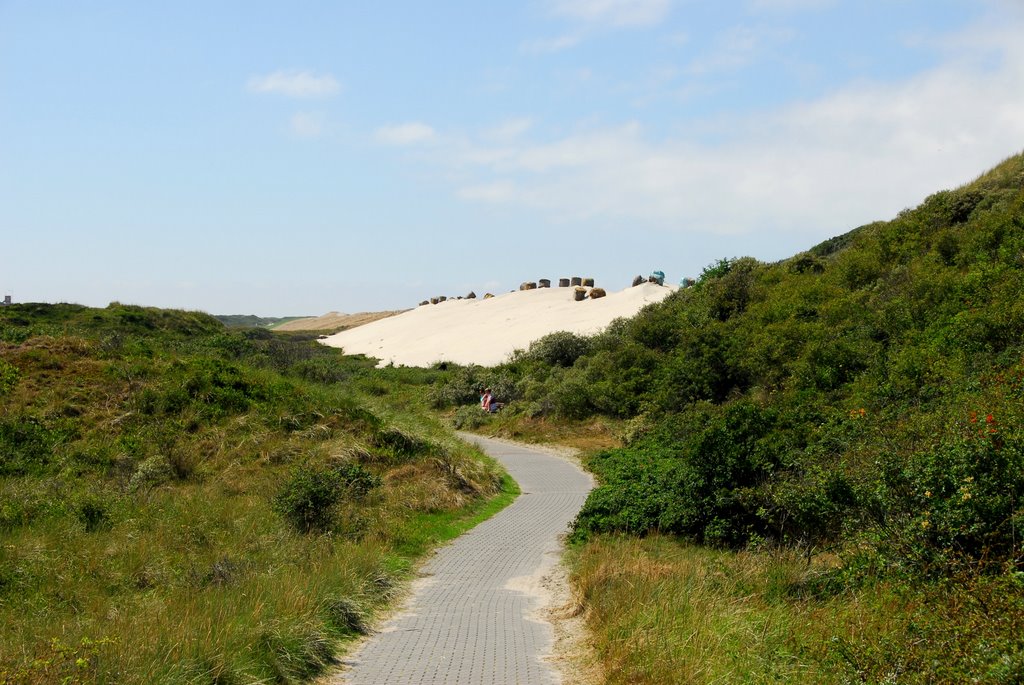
point(488, 403)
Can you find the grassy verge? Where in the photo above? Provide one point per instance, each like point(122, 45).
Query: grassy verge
point(662, 611)
point(427, 531)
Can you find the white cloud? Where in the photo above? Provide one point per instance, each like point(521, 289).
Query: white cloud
point(739, 47)
point(615, 13)
point(307, 124)
point(563, 42)
point(509, 129)
point(498, 192)
point(790, 5)
point(409, 133)
point(591, 16)
point(859, 154)
point(294, 83)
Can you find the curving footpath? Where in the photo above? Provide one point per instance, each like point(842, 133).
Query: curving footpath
point(471, 618)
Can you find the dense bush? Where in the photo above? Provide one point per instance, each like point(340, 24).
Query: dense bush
point(695, 476)
point(308, 501)
point(819, 401)
point(561, 348)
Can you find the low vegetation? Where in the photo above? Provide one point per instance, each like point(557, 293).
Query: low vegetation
point(180, 503)
point(837, 439)
point(253, 321)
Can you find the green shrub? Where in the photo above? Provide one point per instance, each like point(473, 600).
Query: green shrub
point(692, 476)
point(321, 370)
point(310, 498)
point(29, 444)
point(561, 348)
point(463, 386)
point(93, 512)
point(469, 418)
point(8, 377)
point(959, 501)
point(357, 479)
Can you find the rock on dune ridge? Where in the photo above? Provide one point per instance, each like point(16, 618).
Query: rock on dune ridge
point(486, 331)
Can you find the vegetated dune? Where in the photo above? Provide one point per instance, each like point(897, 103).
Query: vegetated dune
point(486, 331)
point(333, 321)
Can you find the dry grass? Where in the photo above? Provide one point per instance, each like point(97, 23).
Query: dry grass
point(661, 611)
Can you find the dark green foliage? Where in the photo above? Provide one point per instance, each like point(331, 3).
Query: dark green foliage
point(812, 402)
point(322, 370)
point(93, 512)
point(696, 476)
point(558, 349)
point(28, 443)
point(357, 479)
point(957, 501)
point(458, 386)
point(253, 321)
point(469, 418)
point(715, 270)
point(310, 498)
point(836, 244)
point(8, 377)
point(806, 263)
point(463, 385)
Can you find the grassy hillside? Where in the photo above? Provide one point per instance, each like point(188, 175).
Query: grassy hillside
point(858, 407)
point(183, 503)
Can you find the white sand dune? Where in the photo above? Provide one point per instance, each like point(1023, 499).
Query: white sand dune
point(486, 331)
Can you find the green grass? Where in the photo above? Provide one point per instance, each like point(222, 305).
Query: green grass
point(426, 531)
point(141, 455)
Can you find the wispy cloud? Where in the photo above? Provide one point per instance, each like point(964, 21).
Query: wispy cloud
point(497, 192)
point(556, 44)
point(294, 83)
point(307, 124)
point(509, 129)
point(616, 13)
point(591, 16)
point(739, 47)
point(409, 133)
point(790, 5)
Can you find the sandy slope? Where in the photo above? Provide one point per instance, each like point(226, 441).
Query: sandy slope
point(332, 321)
point(486, 332)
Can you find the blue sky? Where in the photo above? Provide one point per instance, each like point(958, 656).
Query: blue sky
point(302, 157)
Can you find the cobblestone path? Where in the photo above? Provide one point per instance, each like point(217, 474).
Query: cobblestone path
point(470, 619)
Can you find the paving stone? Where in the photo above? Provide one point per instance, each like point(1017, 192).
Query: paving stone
point(469, 620)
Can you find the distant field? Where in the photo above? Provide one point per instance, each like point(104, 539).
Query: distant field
point(253, 321)
point(334, 321)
